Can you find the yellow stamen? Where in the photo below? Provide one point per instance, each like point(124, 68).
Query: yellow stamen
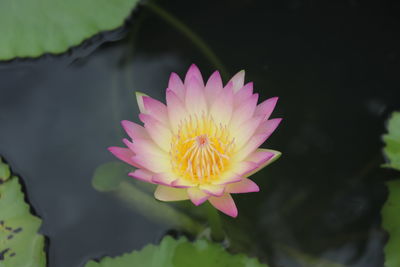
point(201, 150)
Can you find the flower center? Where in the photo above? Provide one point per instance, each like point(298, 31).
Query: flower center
point(201, 150)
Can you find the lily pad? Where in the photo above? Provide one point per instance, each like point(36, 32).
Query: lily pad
point(392, 141)
point(391, 223)
point(20, 243)
point(179, 253)
point(108, 176)
point(30, 28)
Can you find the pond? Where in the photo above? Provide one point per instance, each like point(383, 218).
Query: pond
point(335, 68)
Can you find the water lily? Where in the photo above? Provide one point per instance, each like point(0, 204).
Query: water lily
point(204, 143)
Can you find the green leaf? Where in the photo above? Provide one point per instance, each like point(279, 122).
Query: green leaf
point(113, 177)
point(108, 176)
point(4, 172)
point(30, 28)
point(179, 253)
point(392, 141)
point(391, 223)
point(20, 244)
point(203, 253)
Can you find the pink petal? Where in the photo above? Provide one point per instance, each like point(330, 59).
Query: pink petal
point(265, 108)
point(194, 72)
point(182, 183)
point(246, 131)
point(152, 163)
point(213, 87)
point(124, 154)
point(234, 178)
point(213, 190)
point(163, 179)
point(225, 204)
point(176, 110)
point(267, 161)
point(244, 186)
point(245, 167)
point(195, 99)
point(165, 193)
point(139, 99)
point(269, 126)
point(176, 85)
point(160, 134)
point(238, 81)
point(134, 130)
point(142, 175)
point(257, 140)
point(244, 112)
point(244, 93)
point(145, 146)
point(156, 109)
point(260, 156)
point(222, 107)
point(149, 155)
point(197, 196)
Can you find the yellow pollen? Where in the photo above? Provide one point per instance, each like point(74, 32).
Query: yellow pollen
point(201, 150)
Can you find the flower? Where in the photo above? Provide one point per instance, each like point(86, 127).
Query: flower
point(204, 143)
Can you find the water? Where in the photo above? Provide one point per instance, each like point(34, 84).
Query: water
point(335, 69)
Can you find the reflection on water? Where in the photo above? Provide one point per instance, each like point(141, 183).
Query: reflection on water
point(336, 73)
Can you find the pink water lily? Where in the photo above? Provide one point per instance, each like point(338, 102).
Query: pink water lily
point(204, 143)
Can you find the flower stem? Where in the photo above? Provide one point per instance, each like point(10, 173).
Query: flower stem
point(155, 210)
point(180, 26)
point(214, 219)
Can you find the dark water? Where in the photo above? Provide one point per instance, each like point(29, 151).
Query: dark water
point(334, 66)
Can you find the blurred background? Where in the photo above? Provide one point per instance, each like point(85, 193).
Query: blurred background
point(335, 67)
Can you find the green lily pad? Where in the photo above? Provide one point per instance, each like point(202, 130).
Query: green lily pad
point(20, 244)
point(30, 28)
point(108, 176)
point(4, 172)
point(179, 253)
point(391, 223)
point(392, 141)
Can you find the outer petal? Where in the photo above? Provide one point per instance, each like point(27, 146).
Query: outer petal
point(213, 190)
point(221, 109)
point(213, 87)
point(261, 155)
point(176, 85)
point(244, 186)
point(163, 179)
point(228, 177)
point(139, 99)
point(156, 109)
point(263, 132)
point(246, 131)
point(176, 110)
point(194, 72)
point(243, 112)
point(265, 108)
point(142, 175)
point(244, 93)
point(195, 99)
point(225, 204)
point(251, 146)
point(160, 134)
point(124, 154)
point(149, 155)
point(245, 167)
point(197, 196)
point(134, 130)
point(276, 155)
point(165, 193)
point(238, 81)
point(269, 126)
